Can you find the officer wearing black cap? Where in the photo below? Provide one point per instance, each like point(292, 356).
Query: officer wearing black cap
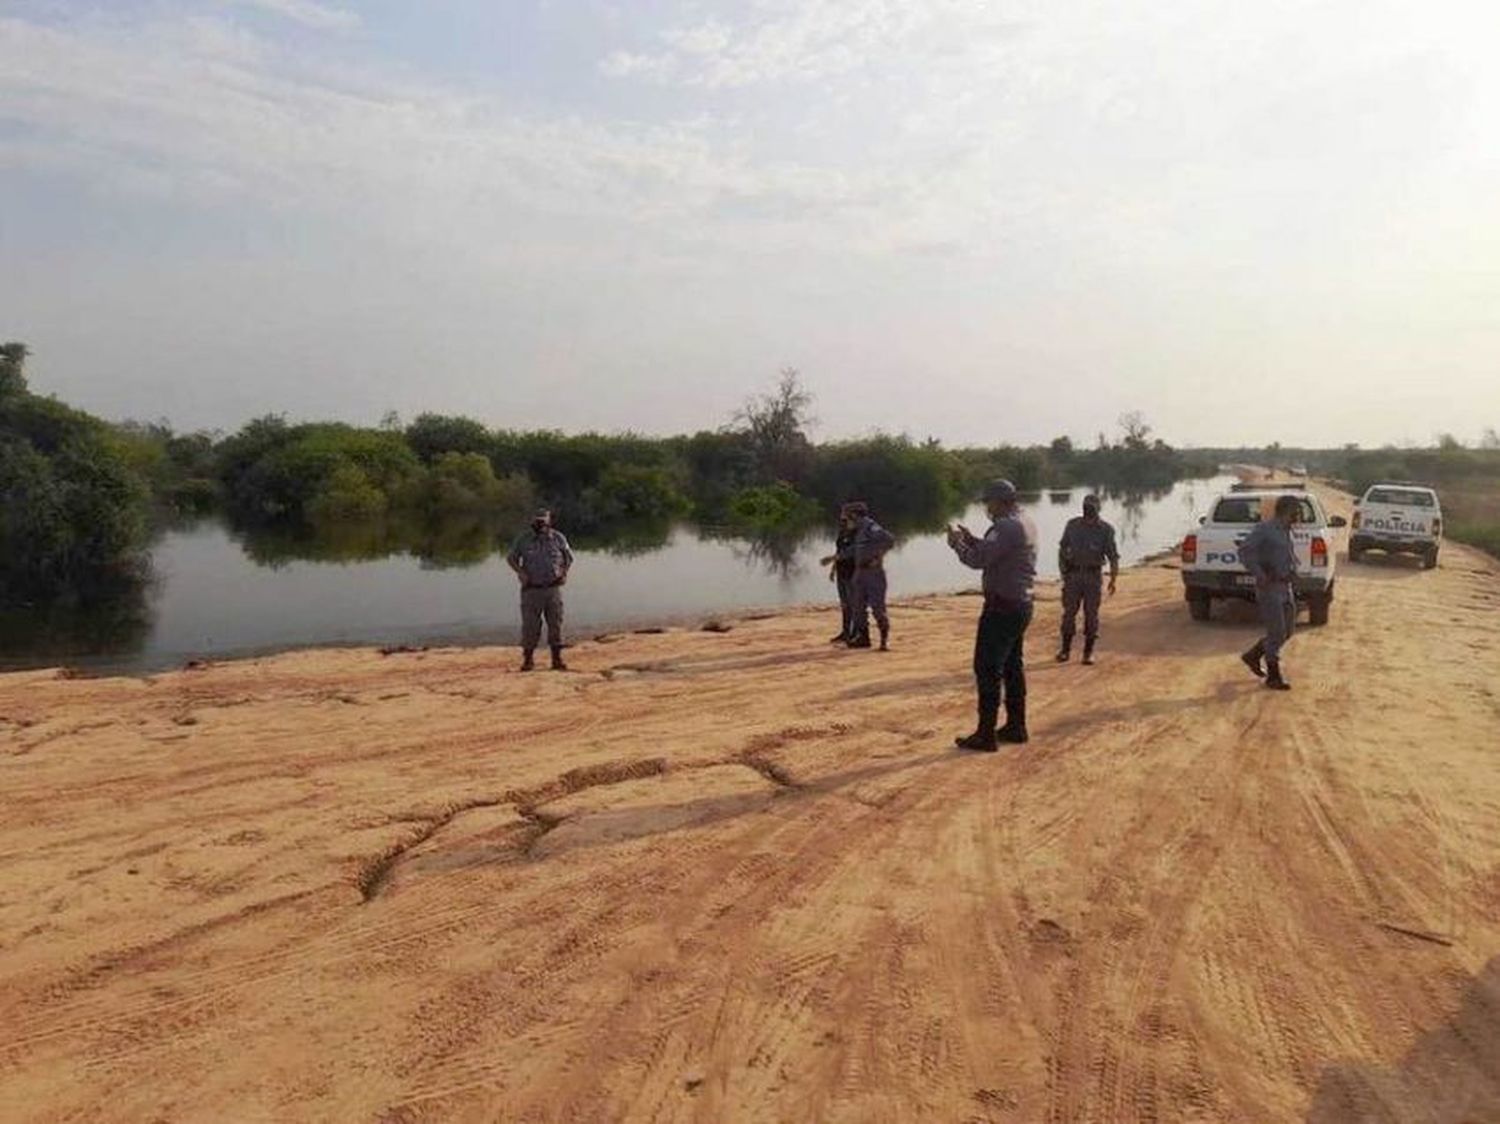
point(1087, 543)
point(1007, 556)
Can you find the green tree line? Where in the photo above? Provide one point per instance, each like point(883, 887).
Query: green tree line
point(760, 470)
point(78, 491)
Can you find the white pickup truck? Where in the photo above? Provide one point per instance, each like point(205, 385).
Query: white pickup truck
point(1211, 566)
point(1399, 519)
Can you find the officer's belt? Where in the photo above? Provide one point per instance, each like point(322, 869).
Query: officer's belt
point(994, 603)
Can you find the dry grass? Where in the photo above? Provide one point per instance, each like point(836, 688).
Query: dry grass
point(1472, 510)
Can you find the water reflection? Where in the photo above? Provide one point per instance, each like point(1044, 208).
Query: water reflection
point(115, 618)
point(231, 590)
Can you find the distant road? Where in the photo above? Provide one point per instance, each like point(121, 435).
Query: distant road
point(743, 876)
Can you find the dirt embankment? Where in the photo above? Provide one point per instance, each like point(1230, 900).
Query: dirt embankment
point(745, 877)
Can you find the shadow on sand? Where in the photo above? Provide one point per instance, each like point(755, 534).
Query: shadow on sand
point(1450, 1076)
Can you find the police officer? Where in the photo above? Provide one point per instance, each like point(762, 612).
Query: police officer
point(1087, 543)
point(541, 559)
point(1271, 557)
point(841, 572)
point(871, 543)
point(1007, 555)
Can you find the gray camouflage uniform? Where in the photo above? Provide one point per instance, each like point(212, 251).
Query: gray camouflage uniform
point(543, 559)
point(1087, 544)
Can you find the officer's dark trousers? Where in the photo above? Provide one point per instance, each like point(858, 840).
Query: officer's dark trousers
point(869, 597)
point(1277, 607)
point(999, 657)
point(845, 581)
point(1083, 588)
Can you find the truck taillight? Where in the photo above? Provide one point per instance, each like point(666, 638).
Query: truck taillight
point(1190, 549)
point(1319, 552)
point(1355, 521)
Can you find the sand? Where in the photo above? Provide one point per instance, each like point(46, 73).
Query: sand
point(745, 876)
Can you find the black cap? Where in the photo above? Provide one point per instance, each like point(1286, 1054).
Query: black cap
point(1000, 490)
point(1090, 501)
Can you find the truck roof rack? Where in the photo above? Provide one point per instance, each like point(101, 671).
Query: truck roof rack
point(1403, 484)
point(1295, 487)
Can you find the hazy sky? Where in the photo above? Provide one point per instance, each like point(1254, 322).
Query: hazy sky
point(986, 221)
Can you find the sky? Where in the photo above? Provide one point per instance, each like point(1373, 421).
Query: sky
point(989, 221)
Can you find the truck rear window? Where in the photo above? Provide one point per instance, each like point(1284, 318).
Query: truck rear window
point(1401, 497)
point(1251, 509)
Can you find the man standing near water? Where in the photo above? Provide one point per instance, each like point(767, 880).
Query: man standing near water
point(841, 572)
point(1270, 556)
point(1007, 555)
point(1087, 543)
point(541, 558)
point(871, 543)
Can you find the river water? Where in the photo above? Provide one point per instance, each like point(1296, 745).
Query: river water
point(212, 599)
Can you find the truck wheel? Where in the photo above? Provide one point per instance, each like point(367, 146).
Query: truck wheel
point(1429, 560)
point(1317, 609)
point(1201, 608)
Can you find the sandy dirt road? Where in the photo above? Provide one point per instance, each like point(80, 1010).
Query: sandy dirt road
point(746, 877)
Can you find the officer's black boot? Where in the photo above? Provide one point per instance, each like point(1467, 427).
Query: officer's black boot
point(1014, 730)
point(1252, 659)
point(983, 738)
point(1088, 651)
point(557, 660)
point(1065, 653)
point(1273, 676)
point(527, 660)
point(885, 638)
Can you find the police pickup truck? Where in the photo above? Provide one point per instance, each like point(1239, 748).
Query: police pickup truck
point(1211, 566)
point(1399, 519)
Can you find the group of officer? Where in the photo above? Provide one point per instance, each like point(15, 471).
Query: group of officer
point(1006, 556)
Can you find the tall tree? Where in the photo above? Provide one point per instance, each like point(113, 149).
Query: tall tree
point(777, 424)
point(13, 367)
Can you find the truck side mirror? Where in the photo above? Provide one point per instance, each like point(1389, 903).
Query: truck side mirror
point(1338, 521)
point(1202, 519)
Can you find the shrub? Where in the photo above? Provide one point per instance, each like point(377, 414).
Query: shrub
point(902, 482)
point(465, 483)
point(433, 435)
point(348, 496)
point(627, 492)
point(72, 512)
point(770, 506)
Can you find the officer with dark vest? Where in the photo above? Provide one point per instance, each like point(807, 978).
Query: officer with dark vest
point(1007, 555)
point(841, 572)
point(1088, 542)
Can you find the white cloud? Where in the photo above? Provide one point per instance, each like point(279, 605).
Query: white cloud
point(1093, 188)
point(309, 13)
point(815, 40)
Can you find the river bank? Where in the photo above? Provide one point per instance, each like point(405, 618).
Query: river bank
point(220, 595)
point(744, 875)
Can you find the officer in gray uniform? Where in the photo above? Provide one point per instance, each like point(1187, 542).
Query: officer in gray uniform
point(541, 558)
point(1271, 557)
point(871, 542)
point(1087, 543)
point(1007, 555)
